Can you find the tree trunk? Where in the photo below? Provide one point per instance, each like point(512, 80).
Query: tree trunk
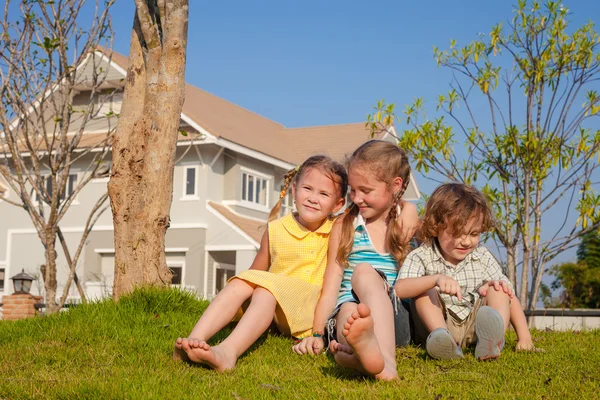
point(49, 272)
point(141, 184)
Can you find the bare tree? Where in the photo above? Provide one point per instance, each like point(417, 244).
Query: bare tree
point(46, 61)
point(141, 184)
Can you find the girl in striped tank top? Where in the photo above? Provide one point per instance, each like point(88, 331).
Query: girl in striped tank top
point(358, 309)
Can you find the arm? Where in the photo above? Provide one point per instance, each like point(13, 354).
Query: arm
point(410, 219)
point(332, 281)
point(411, 287)
point(262, 260)
point(412, 279)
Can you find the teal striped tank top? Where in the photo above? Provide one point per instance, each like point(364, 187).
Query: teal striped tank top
point(363, 251)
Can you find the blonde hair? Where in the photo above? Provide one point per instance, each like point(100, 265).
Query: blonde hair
point(385, 161)
point(453, 205)
point(333, 169)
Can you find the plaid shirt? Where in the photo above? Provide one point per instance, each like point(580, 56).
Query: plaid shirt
point(478, 268)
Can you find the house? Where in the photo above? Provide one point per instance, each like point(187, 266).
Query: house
point(228, 175)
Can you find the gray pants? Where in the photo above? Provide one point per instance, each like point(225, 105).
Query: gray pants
point(402, 320)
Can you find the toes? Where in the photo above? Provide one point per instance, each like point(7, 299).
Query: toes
point(363, 310)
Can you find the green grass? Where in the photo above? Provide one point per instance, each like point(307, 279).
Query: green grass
point(123, 350)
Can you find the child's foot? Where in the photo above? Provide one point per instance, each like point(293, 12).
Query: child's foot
point(441, 345)
point(344, 356)
point(179, 353)
point(359, 332)
point(489, 328)
point(218, 358)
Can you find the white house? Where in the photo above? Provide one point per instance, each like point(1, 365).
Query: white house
point(228, 176)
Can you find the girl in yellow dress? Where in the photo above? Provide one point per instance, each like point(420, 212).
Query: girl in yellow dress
point(285, 279)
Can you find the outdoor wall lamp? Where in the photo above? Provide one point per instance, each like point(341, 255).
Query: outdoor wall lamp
point(22, 282)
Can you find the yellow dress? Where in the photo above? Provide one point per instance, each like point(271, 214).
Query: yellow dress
point(295, 277)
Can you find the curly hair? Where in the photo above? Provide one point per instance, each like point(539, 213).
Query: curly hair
point(385, 161)
point(451, 206)
point(333, 169)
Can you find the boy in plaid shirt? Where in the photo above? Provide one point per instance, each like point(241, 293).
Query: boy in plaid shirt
point(461, 296)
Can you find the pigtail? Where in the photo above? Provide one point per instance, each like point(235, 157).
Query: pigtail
point(347, 235)
point(396, 241)
point(287, 180)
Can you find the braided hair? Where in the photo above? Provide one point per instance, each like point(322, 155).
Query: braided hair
point(385, 161)
point(329, 167)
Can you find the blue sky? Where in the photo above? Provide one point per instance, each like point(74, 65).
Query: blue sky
point(304, 63)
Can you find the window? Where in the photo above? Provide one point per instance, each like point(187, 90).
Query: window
point(287, 203)
point(223, 273)
point(190, 182)
point(176, 267)
point(255, 188)
point(1, 278)
point(47, 183)
point(176, 278)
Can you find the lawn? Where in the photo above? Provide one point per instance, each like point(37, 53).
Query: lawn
point(123, 350)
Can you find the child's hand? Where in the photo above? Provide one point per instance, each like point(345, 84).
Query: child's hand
point(310, 345)
point(449, 286)
point(527, 345)
point(499, 286)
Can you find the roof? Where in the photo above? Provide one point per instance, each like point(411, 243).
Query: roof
point(251, 227)
point(229, 121)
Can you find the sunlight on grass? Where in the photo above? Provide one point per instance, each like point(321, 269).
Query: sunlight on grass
point(123, 350)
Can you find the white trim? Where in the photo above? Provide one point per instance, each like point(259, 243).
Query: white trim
point(167, 250)
point(228, 247)
point(210, 138)
point(197, 148)
point(184, 195)
point(100, 180)
point(111, 62)
point(214, 280)
point(205, 283)
point(413, 183)
point(192, 225)
point(216, 157)
point(255, 172)
point(232, 225)
point(246, 204)
point(228, 203)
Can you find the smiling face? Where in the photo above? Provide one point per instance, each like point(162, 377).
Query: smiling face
point(372, 196)
point(454, 249)
point(316, 196)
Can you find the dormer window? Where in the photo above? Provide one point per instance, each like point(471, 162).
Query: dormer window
point(255, 187)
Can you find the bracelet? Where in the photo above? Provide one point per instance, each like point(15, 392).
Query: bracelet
point(318, 334)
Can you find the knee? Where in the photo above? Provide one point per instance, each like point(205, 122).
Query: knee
point(263, 294)
point(361, 271)
point(497, 295)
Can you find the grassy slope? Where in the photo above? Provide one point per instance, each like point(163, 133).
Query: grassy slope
point(124, 351)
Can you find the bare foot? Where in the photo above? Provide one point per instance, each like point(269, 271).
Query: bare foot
point(358, 331)
point(388, 374)
point(344, 356)
point(218, 358)
point(179, 353)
